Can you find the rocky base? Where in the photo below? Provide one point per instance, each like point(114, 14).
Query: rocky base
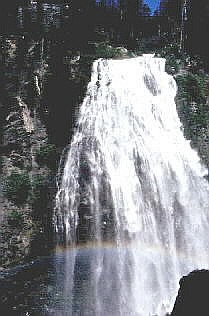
point(192, 299)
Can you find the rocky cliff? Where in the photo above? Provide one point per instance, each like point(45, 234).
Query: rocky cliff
point(41, 85)
point(23, 136)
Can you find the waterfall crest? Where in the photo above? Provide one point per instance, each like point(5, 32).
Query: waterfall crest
point(134, 191)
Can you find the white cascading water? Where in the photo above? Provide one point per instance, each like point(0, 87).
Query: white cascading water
point(133, 190)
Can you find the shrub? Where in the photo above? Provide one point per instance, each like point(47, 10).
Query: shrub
point(39, 192)
point(38, 183)
point(47, 155)
point(172, 64)
point(192, 87)
point(104, 50)
point(15, 219)
point(16, 187)
point(193, 109)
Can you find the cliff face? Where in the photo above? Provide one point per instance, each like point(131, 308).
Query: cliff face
point(22, 135)
point(41, 84)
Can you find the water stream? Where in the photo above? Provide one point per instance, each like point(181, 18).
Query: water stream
point(133, 193)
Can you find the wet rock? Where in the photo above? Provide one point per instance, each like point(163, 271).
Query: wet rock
point(192, 299)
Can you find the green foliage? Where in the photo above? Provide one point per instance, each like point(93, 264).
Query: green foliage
point(192, 87)
point(47, 156)
point(104, 50)
point(38, 184)
point(193, 109)
point(172, 64)
point(173, 58)
point(15, 219)
point(16, 187)
point(38, 194)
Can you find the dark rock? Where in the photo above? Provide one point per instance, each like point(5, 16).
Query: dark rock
point(193, 295)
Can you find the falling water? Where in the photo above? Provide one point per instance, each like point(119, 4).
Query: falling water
point(133, 192)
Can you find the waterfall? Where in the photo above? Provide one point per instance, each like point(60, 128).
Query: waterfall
point(132, 194)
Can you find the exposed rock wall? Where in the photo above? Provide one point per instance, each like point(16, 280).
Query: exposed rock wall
point(22, 135)
point(42, 84)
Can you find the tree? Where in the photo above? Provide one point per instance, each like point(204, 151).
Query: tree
point(146, 10)
point(197, 27)
point(131, 8)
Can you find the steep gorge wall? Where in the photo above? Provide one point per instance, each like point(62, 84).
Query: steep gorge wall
point(41, 84)
point(22, 135)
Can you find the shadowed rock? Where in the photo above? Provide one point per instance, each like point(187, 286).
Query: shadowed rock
point(193, 295)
